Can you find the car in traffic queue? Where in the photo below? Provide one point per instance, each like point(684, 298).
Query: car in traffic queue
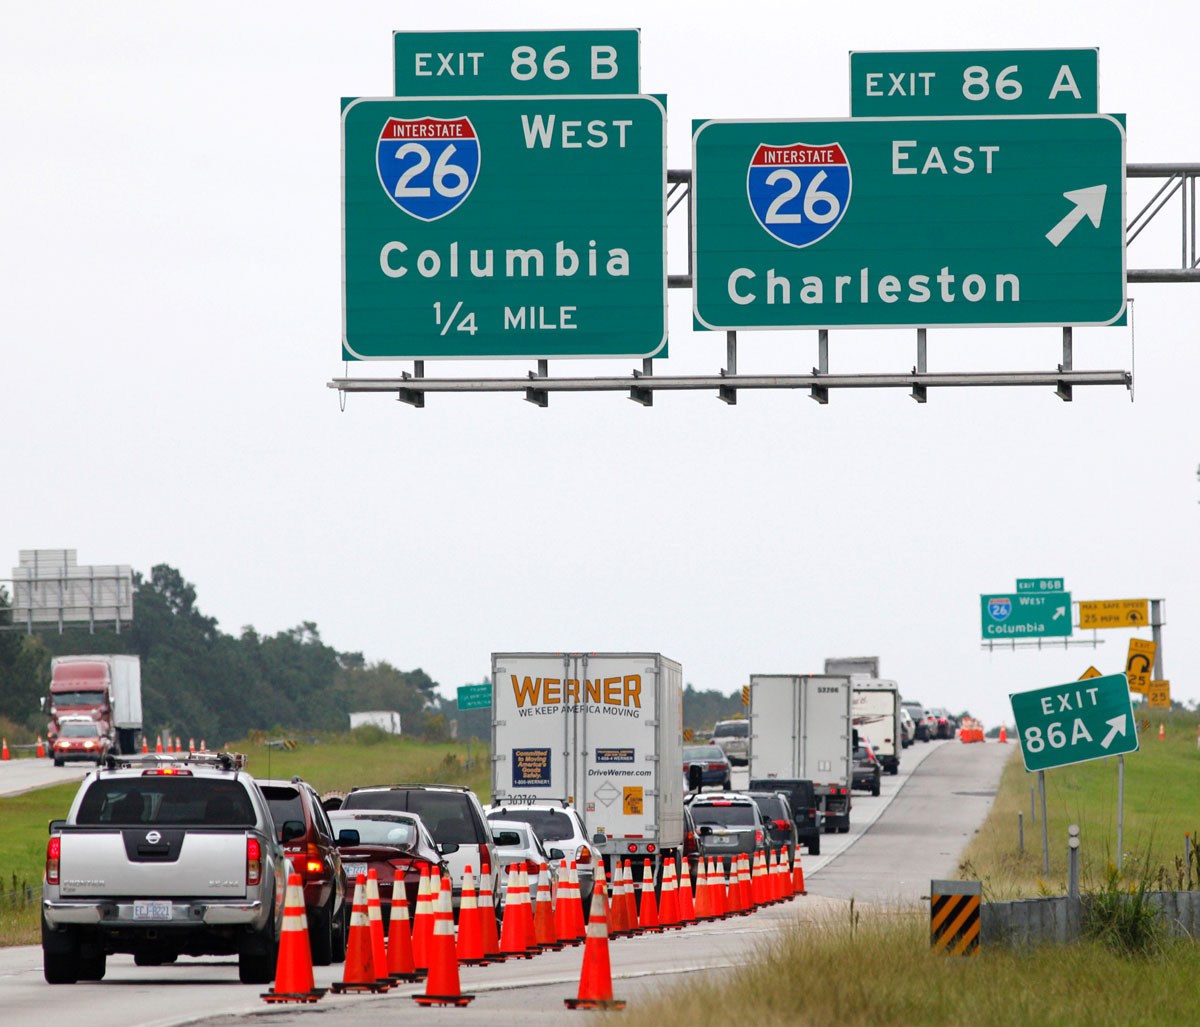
point(517, 843)
point(395, 845)
point(945, 724)
point(924, 723)
point(729, 823)
point(908, 729)
point(806, 809)
point(695, 847)
point(733, 736)
point(79, 738)
point(776, 814)
point(868, 771)
point(455, 820)
point(714, 764)
point(558, 825)
point(302, 827)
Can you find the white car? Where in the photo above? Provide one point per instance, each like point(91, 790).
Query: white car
point(733, 736)
point(908, 728)
point(517, 842)
point(558, 825)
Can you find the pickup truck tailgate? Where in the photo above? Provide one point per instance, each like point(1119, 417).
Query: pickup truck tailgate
point(167, 863)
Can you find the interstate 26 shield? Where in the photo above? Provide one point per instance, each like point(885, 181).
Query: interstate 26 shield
point(428, 166)
point(799, 192)
point(999, 609)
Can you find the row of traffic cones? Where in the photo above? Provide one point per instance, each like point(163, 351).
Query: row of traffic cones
point(426, 946)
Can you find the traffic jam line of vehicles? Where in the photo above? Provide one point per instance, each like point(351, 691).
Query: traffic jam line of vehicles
point(166, 855)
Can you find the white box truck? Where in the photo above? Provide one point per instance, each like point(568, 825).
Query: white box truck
point(800, 728)
point(604, 731)
point(876, 718)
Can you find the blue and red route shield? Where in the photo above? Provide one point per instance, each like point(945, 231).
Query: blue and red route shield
point(799, 192)
point(428, 166)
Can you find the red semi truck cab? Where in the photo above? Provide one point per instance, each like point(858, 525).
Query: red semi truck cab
point(80, 688)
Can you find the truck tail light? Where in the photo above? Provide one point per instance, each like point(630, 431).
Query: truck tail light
point(313, 865)
point(253, 861)
point(53, 853)
point(716, 766)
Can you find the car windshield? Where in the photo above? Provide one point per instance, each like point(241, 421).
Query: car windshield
point(447, 814)
point(159, 799)
point(733, 729)
point(723, 814)
point(285, 804)
point(771, 806)
point(703, 752)
point(550, 825)
point(379, 829)
point(79, 729)
point(77, 698)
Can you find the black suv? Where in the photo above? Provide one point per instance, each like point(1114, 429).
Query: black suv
point(868, 771)
point(303, 829)
point(777, 818)
point(806, 811)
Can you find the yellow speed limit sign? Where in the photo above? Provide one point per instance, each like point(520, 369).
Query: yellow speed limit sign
point(1159, 695)
point(1114, 613)
point(1139, 664)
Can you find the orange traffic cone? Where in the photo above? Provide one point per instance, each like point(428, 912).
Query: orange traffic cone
point(648, 914)
point(4, 750)
point(745, 887)
point(41, 749)
point(616, 908)
point(422, 919)
point(543, 916)
point(203, 747)
point(595, 979)
point(631, 910)
point(564, 918)
point(145, 745)
point(359, 971)
point(668, 904)
point(798, 875)
point(375, 918)
point(487, 916)
point(400, 965)
point(191, 745)
point(716, 889)
point(158, 744)
point(442, 987)
point(703, 904)
point(178, 744)
point(470, 931)
point(1162, 733)
point(512, 930)
point(294, 970)
point(527, 910)
point(786, 891)
point(687, 901)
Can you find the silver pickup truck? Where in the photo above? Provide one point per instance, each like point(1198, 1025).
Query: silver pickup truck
point(162, 857)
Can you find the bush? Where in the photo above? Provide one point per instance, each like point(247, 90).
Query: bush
point(1121, 917)
point(369, 734)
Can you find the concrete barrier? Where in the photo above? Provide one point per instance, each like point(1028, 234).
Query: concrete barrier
point(1059, 919)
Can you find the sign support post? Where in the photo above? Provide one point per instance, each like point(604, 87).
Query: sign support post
point(1156, 625)
point(1045, 834)
point(1120, 809)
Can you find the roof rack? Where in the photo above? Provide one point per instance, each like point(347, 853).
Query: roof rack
point(218, 760)
point(451, 788)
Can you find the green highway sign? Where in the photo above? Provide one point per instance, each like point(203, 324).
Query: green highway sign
point(913, 83)
point(1039, 584)
point(894, 222)
point(562, 62)
point(504, 227)
point(1026, 615)
point(1075, 722)
point(474, 697)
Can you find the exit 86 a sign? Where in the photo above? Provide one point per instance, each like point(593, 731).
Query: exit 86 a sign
point(1074, 722)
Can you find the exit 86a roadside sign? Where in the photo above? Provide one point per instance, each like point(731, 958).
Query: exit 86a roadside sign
point(1075, 722)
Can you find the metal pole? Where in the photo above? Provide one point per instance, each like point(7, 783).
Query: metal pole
point(1032, 807)
point(1045, 835)
point(1020, 831)
point(1121, 809)
point(1073, 861)
point(1156, 626)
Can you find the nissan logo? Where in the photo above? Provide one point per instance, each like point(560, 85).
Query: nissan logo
point(153, 837)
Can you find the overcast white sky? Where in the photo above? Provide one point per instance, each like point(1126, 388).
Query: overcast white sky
point(169, 187)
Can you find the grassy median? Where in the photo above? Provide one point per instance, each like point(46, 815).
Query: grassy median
point(883, 972)
point(1160, 808)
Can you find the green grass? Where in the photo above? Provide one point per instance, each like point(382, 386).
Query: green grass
point(885, 973)
point(332, 762)
point(1160, 806)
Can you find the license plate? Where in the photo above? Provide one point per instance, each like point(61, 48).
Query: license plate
point(152, 910)
point(722, 839)
point(354, 869)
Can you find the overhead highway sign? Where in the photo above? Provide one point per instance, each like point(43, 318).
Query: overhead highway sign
point(1026, 615)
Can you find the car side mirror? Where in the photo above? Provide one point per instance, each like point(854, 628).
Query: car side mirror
point(556, 854)
point(448, 848)
point(706, 829)
point(695, 778)
point(291, 830)
point(348, 836)
point(599, 838)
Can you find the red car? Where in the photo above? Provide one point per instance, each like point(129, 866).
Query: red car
point(393, 844)
point(80, 740)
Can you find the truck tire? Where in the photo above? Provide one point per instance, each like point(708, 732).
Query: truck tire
point(58, 762)
point(814, 847)
point(257, 954)
point(320, 935)
point(60, 955)
point(340, 928)
point(92, 964)
point(875, 785)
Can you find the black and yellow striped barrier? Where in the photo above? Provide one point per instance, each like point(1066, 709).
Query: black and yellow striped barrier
point(954, 917)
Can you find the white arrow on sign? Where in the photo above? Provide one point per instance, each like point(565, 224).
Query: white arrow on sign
point(1117, 728)
point(1089, 202)
point(1060, 612)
